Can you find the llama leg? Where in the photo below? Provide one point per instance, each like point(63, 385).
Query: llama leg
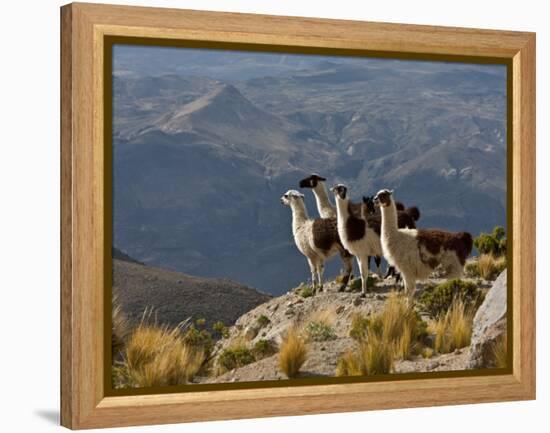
point(313, 272)
point(410, 286)
point(378, 262)
point(389, 272)
point(320, 272)
point(348, 269)
point(363, 268)
point(397, 276)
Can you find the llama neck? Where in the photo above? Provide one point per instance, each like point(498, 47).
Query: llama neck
point(342, 210)
point(299, 214)
point(323, 203)
point(389, 218)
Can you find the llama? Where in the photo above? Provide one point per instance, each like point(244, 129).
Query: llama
point(317, 239)
point(417, 252)
point(317, 184)
point(356, 234)
point(406, 219)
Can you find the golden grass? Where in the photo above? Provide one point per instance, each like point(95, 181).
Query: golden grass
point(326, 317)
point(120, 328)
point(499, 352)
point(398, 325)
point(453, 330)
point(158, 356)
point(350, 364)
point(372, 357)
point(489, 266)
point(393, 333)
point(293, 352)
point(359, 326)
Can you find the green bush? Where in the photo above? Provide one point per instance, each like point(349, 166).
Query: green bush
point(263, 320)
point(234, 357)
point(221, 329)
point(200, 322)
point(263, 348)
point(492, 243)
point(438, 299)
point(355, 284)
point(319, 331)
point(305, 290)
point(199, 339)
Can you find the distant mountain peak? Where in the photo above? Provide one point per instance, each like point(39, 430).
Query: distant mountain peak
point(222, 105)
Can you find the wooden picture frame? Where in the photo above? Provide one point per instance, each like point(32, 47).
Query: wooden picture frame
point(85, 194)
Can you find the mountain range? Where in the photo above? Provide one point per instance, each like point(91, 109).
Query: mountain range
point(200, 161)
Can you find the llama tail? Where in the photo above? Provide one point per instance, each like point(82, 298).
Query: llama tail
point(414, 213)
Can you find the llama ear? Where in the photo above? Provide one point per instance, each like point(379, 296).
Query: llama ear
point(365, 199)
point(391, 191)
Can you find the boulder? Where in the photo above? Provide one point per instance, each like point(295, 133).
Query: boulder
point(489, 324)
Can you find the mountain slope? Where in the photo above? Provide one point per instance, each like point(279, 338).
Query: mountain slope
point(174, 297)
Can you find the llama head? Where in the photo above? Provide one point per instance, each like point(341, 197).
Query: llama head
point(383, 198)
point(311, 181)
point(369, 204)
point(340, 191)
point(291, 196)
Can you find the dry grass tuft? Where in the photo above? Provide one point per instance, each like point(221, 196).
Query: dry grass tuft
point(120, 328)
point(499, 353)
point(489, 266)
point(158, 356)
point(453, 330)
point(350, 364)
point(372, 357)
point(394, 333)
point(293, 352)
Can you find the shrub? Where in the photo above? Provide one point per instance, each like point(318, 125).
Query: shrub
point(200, 322)
point(438, 299)
point(263, 348)
point(292, 353)
point(453, 329)
point(355, 284)
point(427, 352)
point(319, 326)
point(221, 329)
point(234, 357)
point(490, 267)
point(201, 339)
point(157, 356)
point(492, 243)
point(305, 290)
point(263, 320)
point(318, 331)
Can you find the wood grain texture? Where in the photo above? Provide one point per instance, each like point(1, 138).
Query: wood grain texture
point(83, 401)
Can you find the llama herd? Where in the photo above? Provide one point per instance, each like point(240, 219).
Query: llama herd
point(377, 227)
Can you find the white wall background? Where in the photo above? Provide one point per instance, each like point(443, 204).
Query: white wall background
point(29, 246)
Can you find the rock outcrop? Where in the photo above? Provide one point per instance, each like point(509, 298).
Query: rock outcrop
point(489, 325)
